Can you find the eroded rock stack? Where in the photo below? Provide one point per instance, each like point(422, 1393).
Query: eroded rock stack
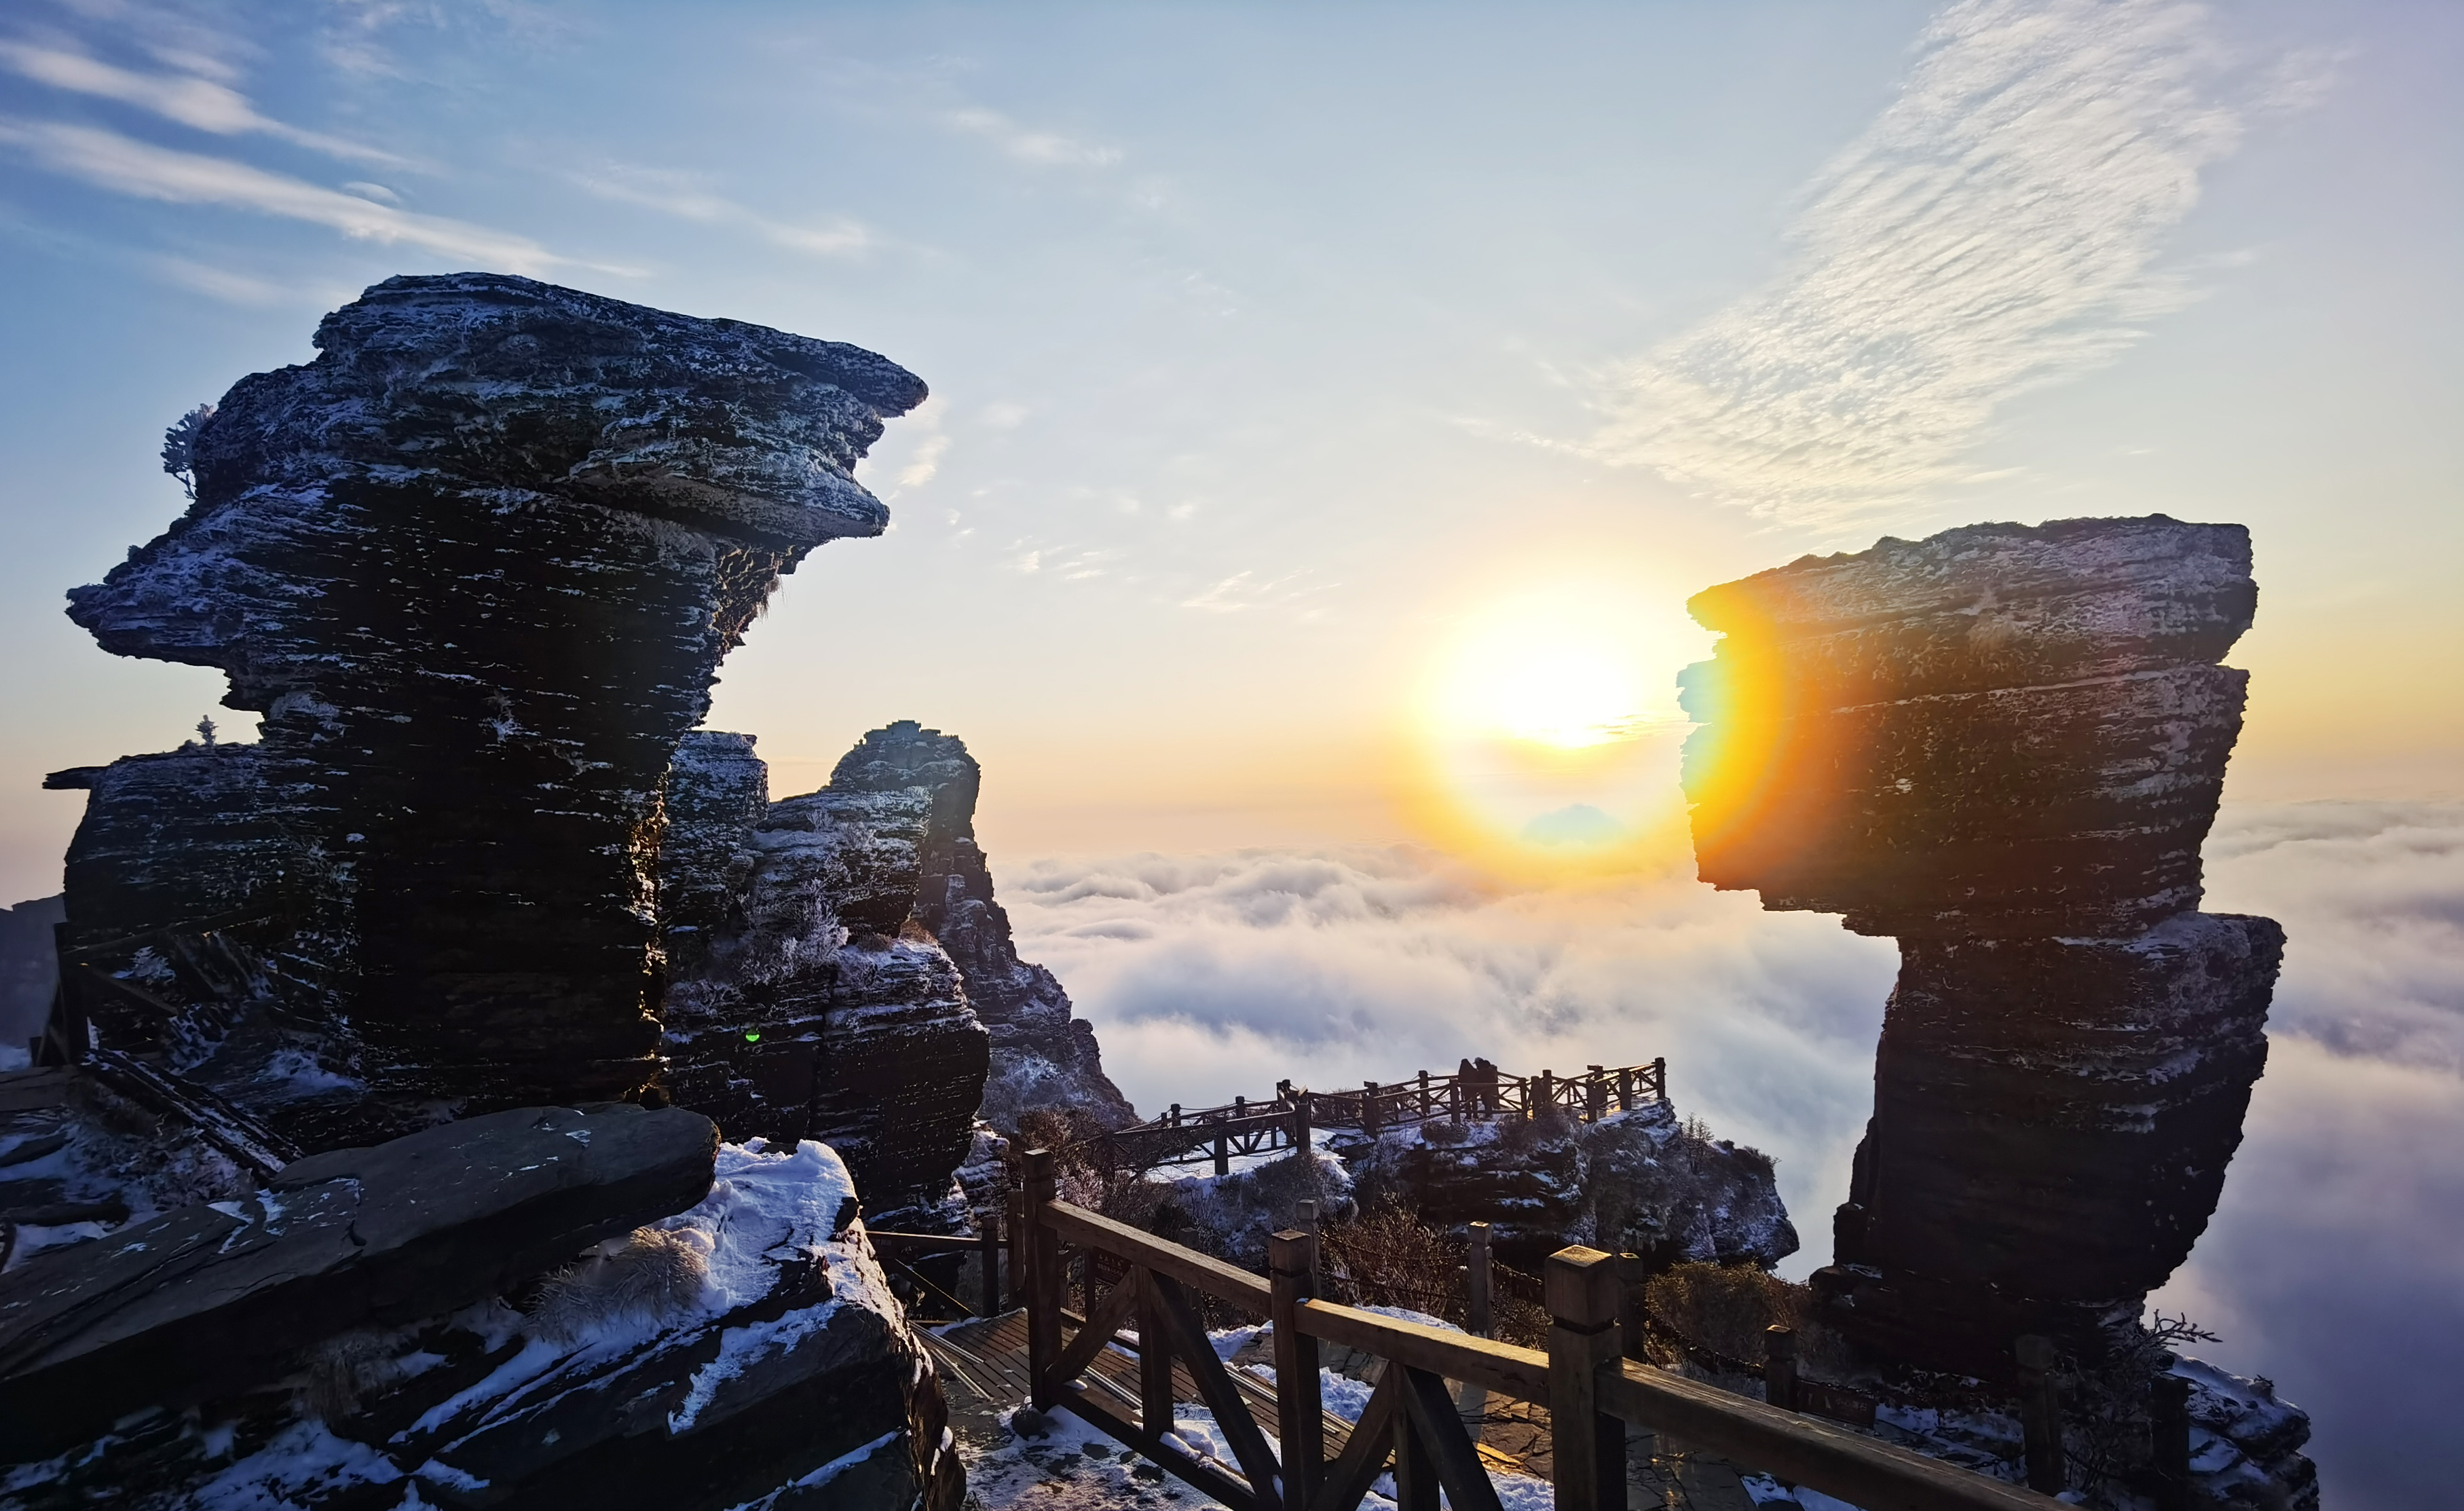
point(837, 959)
point(1041, 1055)
point(474, 564)
point(2005, 745)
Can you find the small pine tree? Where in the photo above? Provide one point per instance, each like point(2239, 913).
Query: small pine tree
point(206, 730)
point(179, 447)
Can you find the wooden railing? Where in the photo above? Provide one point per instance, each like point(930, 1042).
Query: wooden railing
point(1284, 1121)
point(1411, 1426)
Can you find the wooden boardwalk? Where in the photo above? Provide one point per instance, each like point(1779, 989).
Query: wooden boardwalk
point(983, 1368)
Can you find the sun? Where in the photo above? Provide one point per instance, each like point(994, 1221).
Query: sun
point(1549, 728)
point(1551, 673)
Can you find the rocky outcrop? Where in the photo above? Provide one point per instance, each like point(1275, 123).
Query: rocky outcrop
point(29, 970)
point(474, 565)
point(211, 1301)
point(1638, 1182)
point(803, 1002)
point(837, 961)
point(2005, 746)
point(1041, 1055)
point(546, 1306)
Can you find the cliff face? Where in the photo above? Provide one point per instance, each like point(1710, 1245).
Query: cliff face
point(801, 1001)
point(474, 564)
point(839, 969)
point(1042, 1056)
point(2005, 746)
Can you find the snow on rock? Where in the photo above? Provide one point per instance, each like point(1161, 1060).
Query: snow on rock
point(1633, 1182)
point(780, 1374)
point(802, 1002)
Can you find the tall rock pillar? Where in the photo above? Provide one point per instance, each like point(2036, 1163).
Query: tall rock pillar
point(2004, 746)
point(475, 564)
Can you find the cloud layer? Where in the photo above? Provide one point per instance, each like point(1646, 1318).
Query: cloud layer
point(1214, 976)
point(1995, 228)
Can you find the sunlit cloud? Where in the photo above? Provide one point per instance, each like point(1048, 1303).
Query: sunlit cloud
point(109, 161)
point(1049, 148)
point(1214, 976)
point(681, 195)
point(1997, 228)
point(201, 105)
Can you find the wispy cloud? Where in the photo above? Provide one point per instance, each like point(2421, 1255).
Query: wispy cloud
point(1027, 144)
point(123, 166)
point(682, 196)
point(1242, 591)
point(198, 103)
point(1996, 230)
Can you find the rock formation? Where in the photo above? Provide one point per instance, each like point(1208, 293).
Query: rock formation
point(474, 564)
point(2005, 745)
point(1042, 1056)
point(29, 970)
point(836, 959)
point(539, 1307)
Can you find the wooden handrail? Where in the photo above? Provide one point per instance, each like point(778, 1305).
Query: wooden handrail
point(927, 1242)
point(1587, 1388)
point(1522, 1374)
point(1804, 1449)
point(1188, 1266)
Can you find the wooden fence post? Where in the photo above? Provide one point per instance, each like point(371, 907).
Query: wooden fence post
point(1660, 1076)
point(1300, 1133)
point(1291, 1264)
point(1581, 1288)
point(1595, 1094)
point(988, 1247)
point(1424, 1094)
point(1779, 1367)
point(1544, 1093)
point(2169, 1417)
point(1044, 1281)
point(1369, 1108)
point(1634, 1326)
point(1625, 1088)
point(1222, 1150)
point(1480, 1316)
point(2040, 1411)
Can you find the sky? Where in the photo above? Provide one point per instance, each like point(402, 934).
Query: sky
point(1334, 406)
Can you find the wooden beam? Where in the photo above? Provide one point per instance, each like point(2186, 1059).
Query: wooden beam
point(1145, 1250)
point(1095, 1333)
point(1802, 1450)
point(1452, 1455)
point(1364, 1453)
point(1188, 1334)
point(1522, 1374)
point(1192, 1471)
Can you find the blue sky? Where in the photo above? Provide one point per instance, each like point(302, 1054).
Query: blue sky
point(1285, 357)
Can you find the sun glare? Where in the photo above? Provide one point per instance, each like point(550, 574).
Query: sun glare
point(1550, 673)
point(1550, 721)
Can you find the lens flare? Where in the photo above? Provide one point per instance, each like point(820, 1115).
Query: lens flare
point(1549, 729)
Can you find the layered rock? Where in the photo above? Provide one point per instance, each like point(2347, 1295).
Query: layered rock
point(544, 1306)
point(1635, 1183)
point(837, 961)
point(474, 565)
point(1042, 1055)
point(803, 1002)
point(2005, 745)
point(29, 970)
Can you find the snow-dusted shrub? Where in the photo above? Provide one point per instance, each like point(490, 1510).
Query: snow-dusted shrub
point(656, 1274)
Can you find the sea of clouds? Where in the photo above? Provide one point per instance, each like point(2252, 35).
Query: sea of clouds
point(2338, 1251)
